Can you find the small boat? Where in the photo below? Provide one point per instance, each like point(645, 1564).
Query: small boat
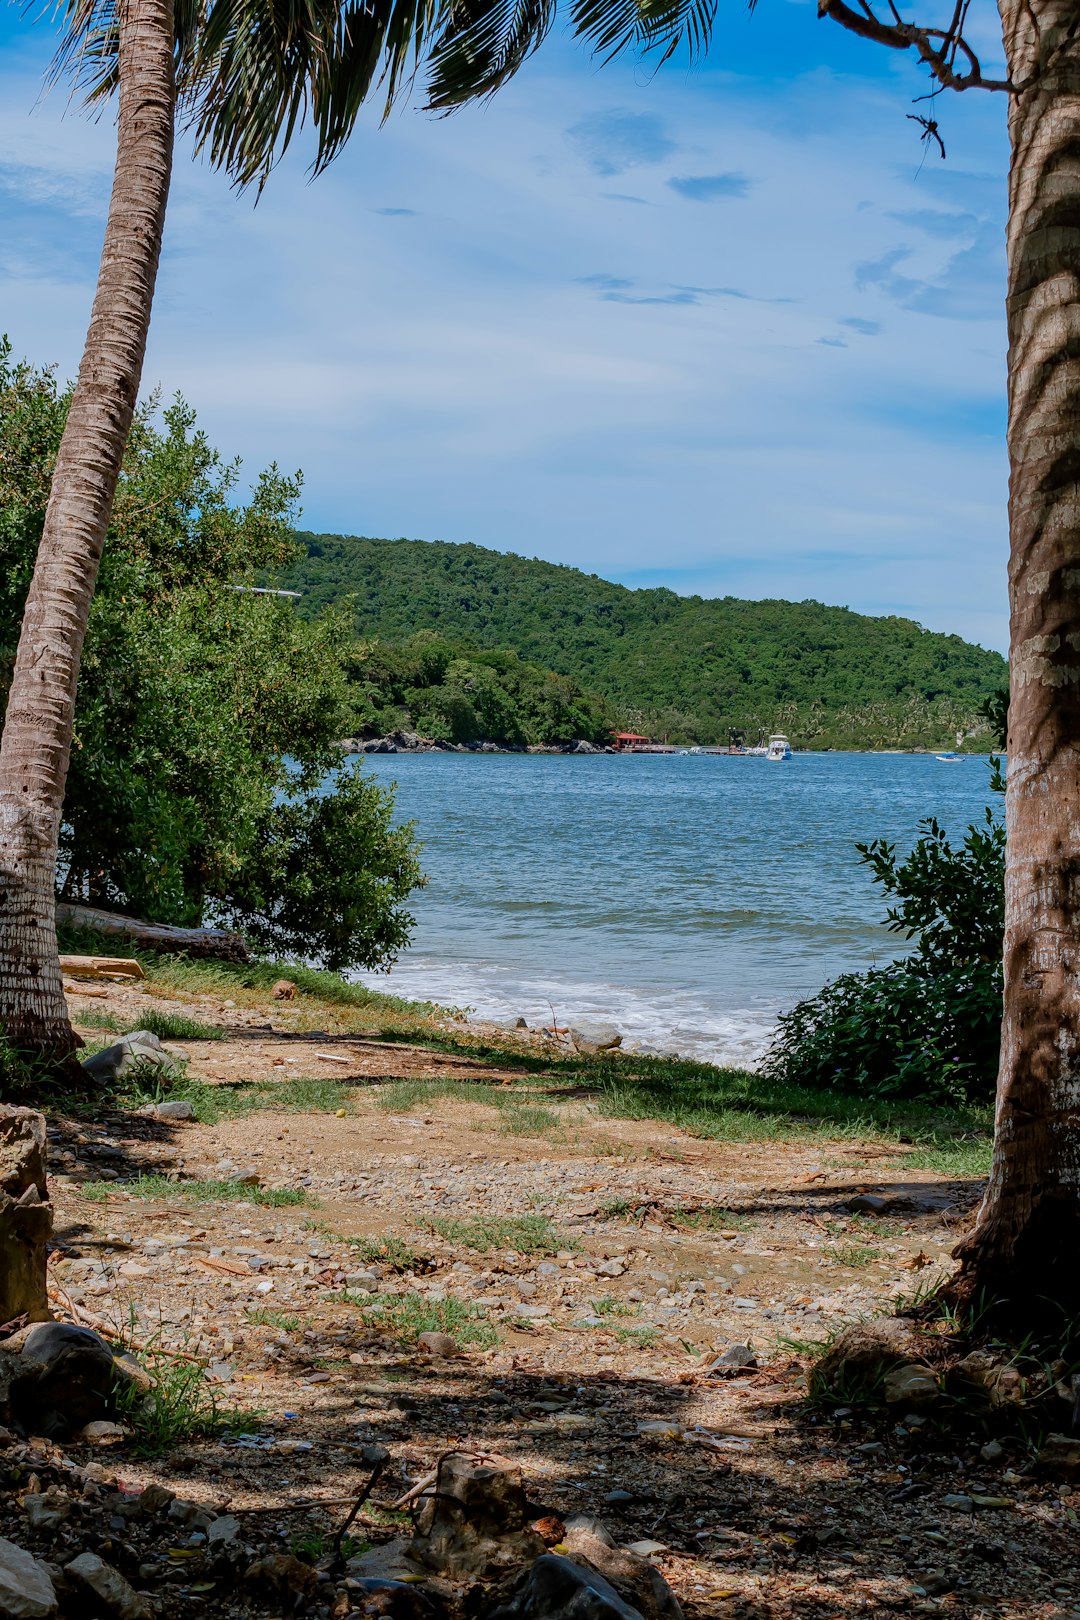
point(948, 759)
point(779, 748)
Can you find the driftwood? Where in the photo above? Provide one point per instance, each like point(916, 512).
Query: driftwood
point(215, 942)
point(101, 967)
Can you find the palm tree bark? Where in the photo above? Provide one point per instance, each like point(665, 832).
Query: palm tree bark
point(36, 744)
point(1023, 1250)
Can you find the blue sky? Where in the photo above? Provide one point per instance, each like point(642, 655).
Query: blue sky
point(725, 330)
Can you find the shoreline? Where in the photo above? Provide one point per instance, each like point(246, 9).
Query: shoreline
point(410, 742)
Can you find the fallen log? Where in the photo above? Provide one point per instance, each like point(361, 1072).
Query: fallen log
point(101, 967)
point(213, 942)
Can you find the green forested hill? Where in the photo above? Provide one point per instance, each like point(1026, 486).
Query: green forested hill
point(684, 666)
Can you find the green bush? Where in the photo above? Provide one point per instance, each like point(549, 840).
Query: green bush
point(926, 1028)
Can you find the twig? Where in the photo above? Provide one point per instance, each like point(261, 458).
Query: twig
point(380, 1464)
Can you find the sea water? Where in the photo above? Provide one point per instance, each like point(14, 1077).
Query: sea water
point(686, 899)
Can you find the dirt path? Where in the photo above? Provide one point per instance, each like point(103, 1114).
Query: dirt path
point(592, 1272)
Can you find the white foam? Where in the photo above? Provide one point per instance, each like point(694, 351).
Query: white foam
point(666, 1021)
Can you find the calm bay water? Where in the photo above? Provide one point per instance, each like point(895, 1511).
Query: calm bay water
point(686, 899)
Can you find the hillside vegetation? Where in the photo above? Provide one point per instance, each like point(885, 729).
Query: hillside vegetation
point(685, 667)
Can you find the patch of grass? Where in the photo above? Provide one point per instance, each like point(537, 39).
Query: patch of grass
point(527, 1234)
point(99, 1018)
point(612, 1307)
point(528, 1119)
point(197, 1192)
point(259, 1316)
point(385, 1251)
point(406, 1316)
point(315, 1544)
point(855, 1255)
point(643, 1337)
point(181, 1405)
point(213, 1103)
point(954, 1156)
point(403, 1095)
point(707, 1220)
point(174, 1026)
point(617, 1209)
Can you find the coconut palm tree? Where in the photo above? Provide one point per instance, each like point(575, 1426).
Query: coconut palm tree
point(247, 74)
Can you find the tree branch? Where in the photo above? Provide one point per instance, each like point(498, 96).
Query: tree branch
point(938, 47)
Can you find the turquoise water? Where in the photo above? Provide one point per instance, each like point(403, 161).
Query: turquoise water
point(685, 899)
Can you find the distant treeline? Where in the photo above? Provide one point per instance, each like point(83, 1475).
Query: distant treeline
point(530, 651)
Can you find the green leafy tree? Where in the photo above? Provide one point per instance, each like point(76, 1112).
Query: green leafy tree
point(208, 717)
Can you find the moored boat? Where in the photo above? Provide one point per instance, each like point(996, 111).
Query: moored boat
point(779, 748)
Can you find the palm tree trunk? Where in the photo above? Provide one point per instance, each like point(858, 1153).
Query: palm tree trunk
point(36, 743)
point(1024, 1248)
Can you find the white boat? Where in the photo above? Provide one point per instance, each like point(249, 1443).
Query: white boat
point(948, 759)
point(779, 747)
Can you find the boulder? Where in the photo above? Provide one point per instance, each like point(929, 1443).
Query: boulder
point(910, 1386)
point(25, 1215)
point(1060, 1456)
point(26, 1588)
point(141, 1046)
point(633, 1577)
point(589, 1037)
point(55, 1377)
point(855, 1365)
point(106, 1589)
point(556, 1588)
point(479, 1519)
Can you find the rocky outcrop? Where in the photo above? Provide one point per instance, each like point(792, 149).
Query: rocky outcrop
point(25, 1216)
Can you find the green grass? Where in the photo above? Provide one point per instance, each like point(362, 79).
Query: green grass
point(315, 1544)
point(389, 1251)
point(166, 1025)
point(526, 1234)
point(406, 1316)
point(527, 1119)
point(707, 1220)
point(259, 1316)
point(854, 1255)
point(612, 1307)
point(181, 1406)
point(642, 1337)
point(197, 1192)
point(213, 1103)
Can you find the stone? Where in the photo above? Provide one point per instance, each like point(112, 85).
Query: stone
point(479, 1519)
point(614, 1267)
point(997, 1379)
point(390, 1600)
point(55, 1377)
point(155, 1499)
point(46, 1510)
point(225, 1528)
point(867, 1204)
point(438, 1344)
point(1060, 1456)
point(22, 1151)
point(179, 1109)
point(736, 1356)
point(106, 1588)
point(859, 1358)
point(102, 1433)
point(910, 1385)
point(555, 1588)
point(992, 1452)
point(627, 1568)
point(958, 1502)
point(281, 1577)
point(26, 1588)
point(588, 1037)
point(141, 1046)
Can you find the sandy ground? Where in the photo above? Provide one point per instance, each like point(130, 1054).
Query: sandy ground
point(592, 1359)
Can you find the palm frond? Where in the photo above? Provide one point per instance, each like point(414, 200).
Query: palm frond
point(482, 44)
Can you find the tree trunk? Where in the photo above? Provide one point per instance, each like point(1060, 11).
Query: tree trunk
point(36, 743)
point(1023, 1251)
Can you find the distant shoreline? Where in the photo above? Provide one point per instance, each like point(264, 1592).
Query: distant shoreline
point(412, 743)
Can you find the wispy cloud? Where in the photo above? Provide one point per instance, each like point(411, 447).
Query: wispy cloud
point(397, 213)
point(614, 141)
point(709, 187)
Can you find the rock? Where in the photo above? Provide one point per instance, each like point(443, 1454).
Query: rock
point(583, 1524)
point(1060, 1456)
point(225, 1528)
point(47, 1510)
point(26, 1588)
point(910, 1385)
point(628, 1570)
point(438, 1344)
point(992, 1451)
point(282, 1577)
point(867, 1204)
point(141, 1046)
point(106, 1588)
point(391, 1600)
point(102, 1433)
point(55, 1377)
point(998, 1380)
point(179, 1109)
point(397, 1561)
point(857, 1362)
point(155, 1499)
point(595, 1037)
point(736, 1356)
point(555, 1588)
point(25, 1215)
point(958, 1502)
point(615, 1267)
point(479, 1519)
